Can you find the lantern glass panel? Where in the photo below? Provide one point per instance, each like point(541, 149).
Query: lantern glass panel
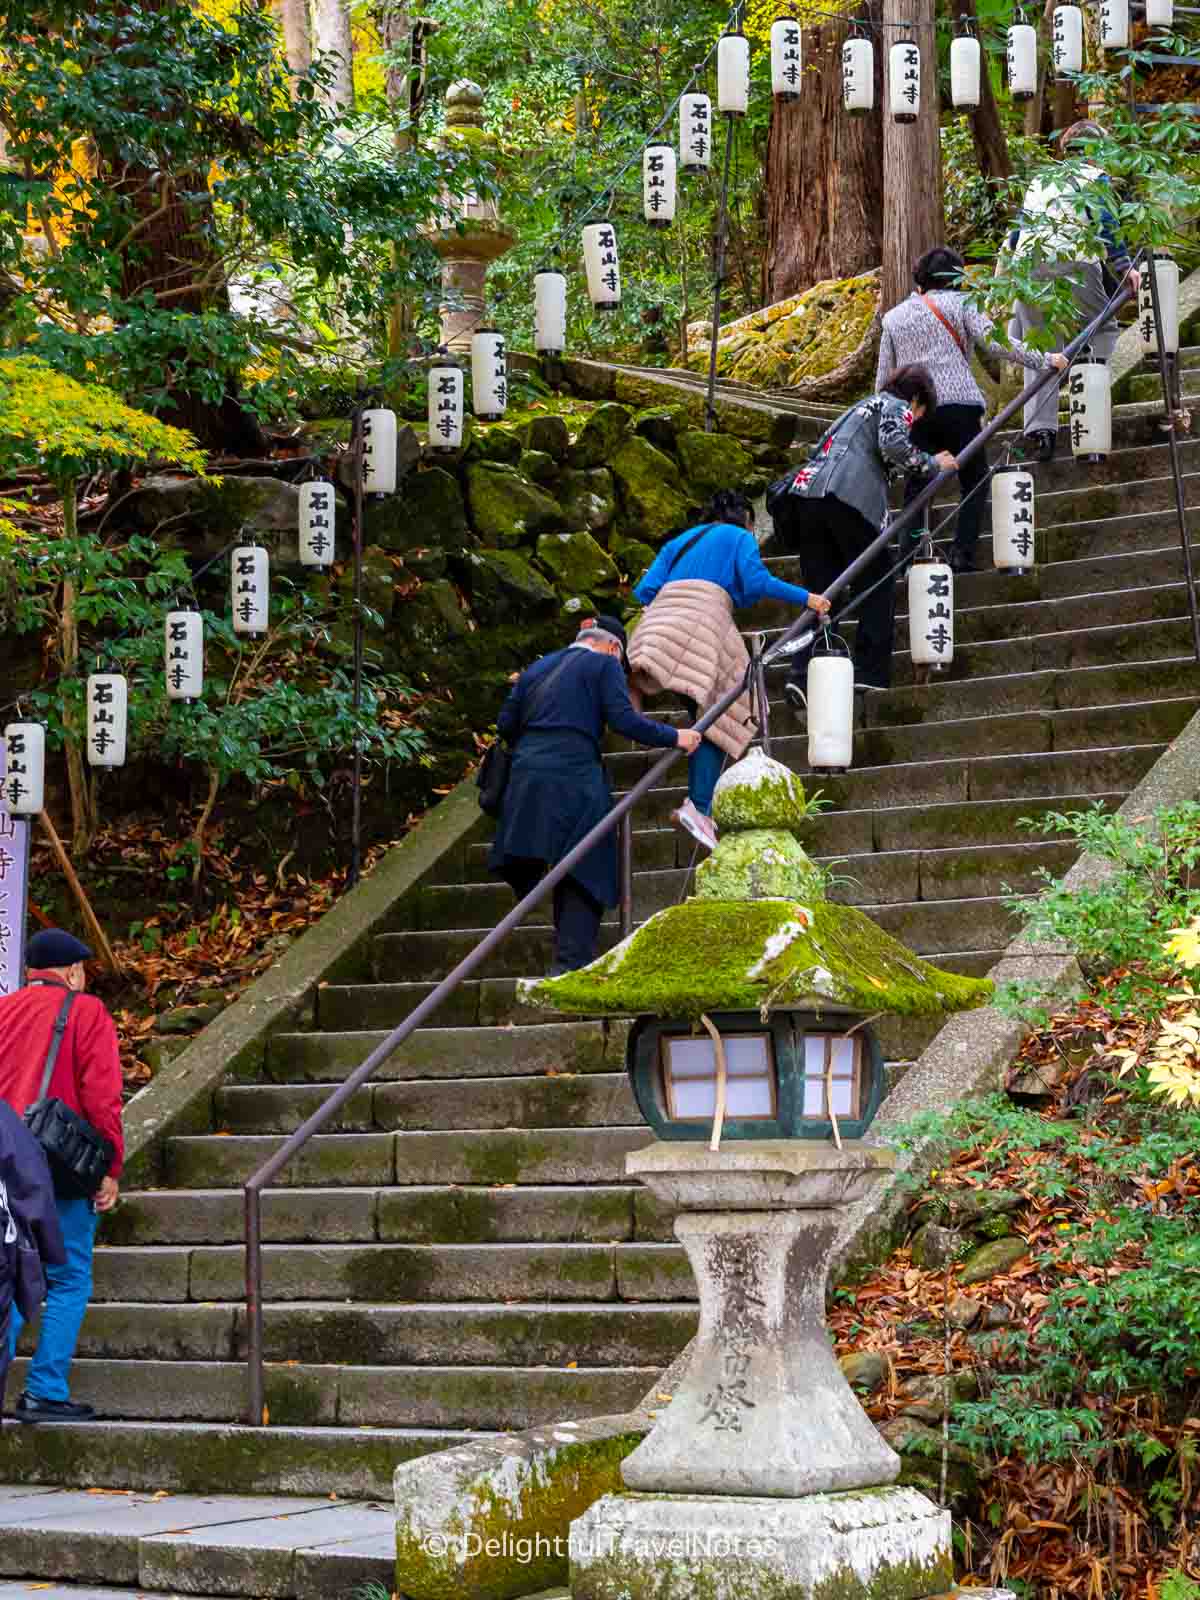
point(690, 1077)
point(823, 1051)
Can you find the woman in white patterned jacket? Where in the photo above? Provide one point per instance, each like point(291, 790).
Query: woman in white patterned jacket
point(939, 328)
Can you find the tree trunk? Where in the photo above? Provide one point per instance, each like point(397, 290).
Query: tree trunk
point(83, 816)
point(824, 185)
point(331, 35)
point(913, 219)
point(396, 34)
point(292, 16)
point(991, 145)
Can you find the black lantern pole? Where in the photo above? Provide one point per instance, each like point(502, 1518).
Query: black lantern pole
point(710, 408)
point(1173, 446)
point(358, 455)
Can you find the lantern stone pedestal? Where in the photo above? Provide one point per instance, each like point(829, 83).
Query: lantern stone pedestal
point(473, 236)
point(764, 1479)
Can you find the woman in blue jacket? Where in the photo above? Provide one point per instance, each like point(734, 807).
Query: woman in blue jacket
point(687, 640)
point(555, 717)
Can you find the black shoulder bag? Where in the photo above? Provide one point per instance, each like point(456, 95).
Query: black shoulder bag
point(79, 1157)
point(496, 767)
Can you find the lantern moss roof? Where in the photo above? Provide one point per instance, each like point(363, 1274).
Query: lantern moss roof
point(757, 955)
point(759, 933)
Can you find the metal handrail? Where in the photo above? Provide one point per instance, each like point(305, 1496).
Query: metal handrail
point(790, 640)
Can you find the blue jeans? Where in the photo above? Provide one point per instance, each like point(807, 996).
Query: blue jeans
point(704, 768)
point(68, 1291)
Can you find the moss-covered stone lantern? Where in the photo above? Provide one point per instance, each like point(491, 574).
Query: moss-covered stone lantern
point(763, 1477)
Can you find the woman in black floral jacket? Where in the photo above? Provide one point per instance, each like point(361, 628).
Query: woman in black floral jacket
point(835, 505)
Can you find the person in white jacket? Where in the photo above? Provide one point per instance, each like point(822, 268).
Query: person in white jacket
point(1058, 214)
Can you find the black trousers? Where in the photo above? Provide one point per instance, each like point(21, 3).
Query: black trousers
point(576, 913)
point(951, 428)
point(827, 535)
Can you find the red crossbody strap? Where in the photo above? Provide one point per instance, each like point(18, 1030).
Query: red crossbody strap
point(946, 323)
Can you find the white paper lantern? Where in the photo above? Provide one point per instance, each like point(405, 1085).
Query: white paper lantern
point(733, 74)
point(1114, 24)
point(24, 787)
point(858, 76)
point(1160, 13)
point(695, 133)
point(965, 67)
point(603, 266)
point(318, 522)
point(1090, 417)
point(489, 374)
point(787, 62)
point(931, 613)
point(1014, 527)
point(904, 80)
point(446, 405)
point(1022, 61)
point(830, 696)
point(107, 719)
point(184, 655)
point(659, 185)
point(1068, 41)
point(379, 451)
point(1166, 272)
point(550, 311)
point(250, 589)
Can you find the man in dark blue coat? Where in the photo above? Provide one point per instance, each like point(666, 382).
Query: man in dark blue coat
point(30, 1236)
point(555, 718)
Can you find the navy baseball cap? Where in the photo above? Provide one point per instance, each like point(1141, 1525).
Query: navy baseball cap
point(51, 947)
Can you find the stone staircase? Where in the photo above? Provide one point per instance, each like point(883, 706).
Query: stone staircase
point(462, 1254)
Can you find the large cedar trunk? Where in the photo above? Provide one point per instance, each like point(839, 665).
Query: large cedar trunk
point(824, 177)
point(332, 35)
point(292, 16)
point(913, 218)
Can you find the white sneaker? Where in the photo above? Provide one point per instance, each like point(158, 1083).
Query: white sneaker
point(697, 824)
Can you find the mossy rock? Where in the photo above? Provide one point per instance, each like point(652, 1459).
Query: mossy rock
point(550, 434)
point(426, 564)
point(600, 436)
point(588, 499)
point(496, 442)
point(538, 466)
point(378, 585)
point(758, 792)
point(662, 425)
point(759, 864)
point(578, 565)
point(632, 556)
point(433, 617)
point(430, 512)
point(713, 461)
point(654, 503)
point(503, 583)
point(715, 955)
point(1001, 1255)
point(506, 508)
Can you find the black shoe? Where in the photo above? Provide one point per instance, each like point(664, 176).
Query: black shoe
point(793, 693)
point(960, 560)
point(31, 1409)
point(1046, 440)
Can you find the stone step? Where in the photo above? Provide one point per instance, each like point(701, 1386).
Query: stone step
point(484, 1052)
point(906, 747)
point(172, 1274)
point(827, 835)
point(414, 1214)
point(290, 1548)
point(1101, 770)
point(203, 1457)
point(1147, 387)
point(874, 876)
point(946, 698)
point(590, 1100)
point(353, 1160)
point(389, 1003)
point(301, 1395)
point(373, 1334)
point(988, 590)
